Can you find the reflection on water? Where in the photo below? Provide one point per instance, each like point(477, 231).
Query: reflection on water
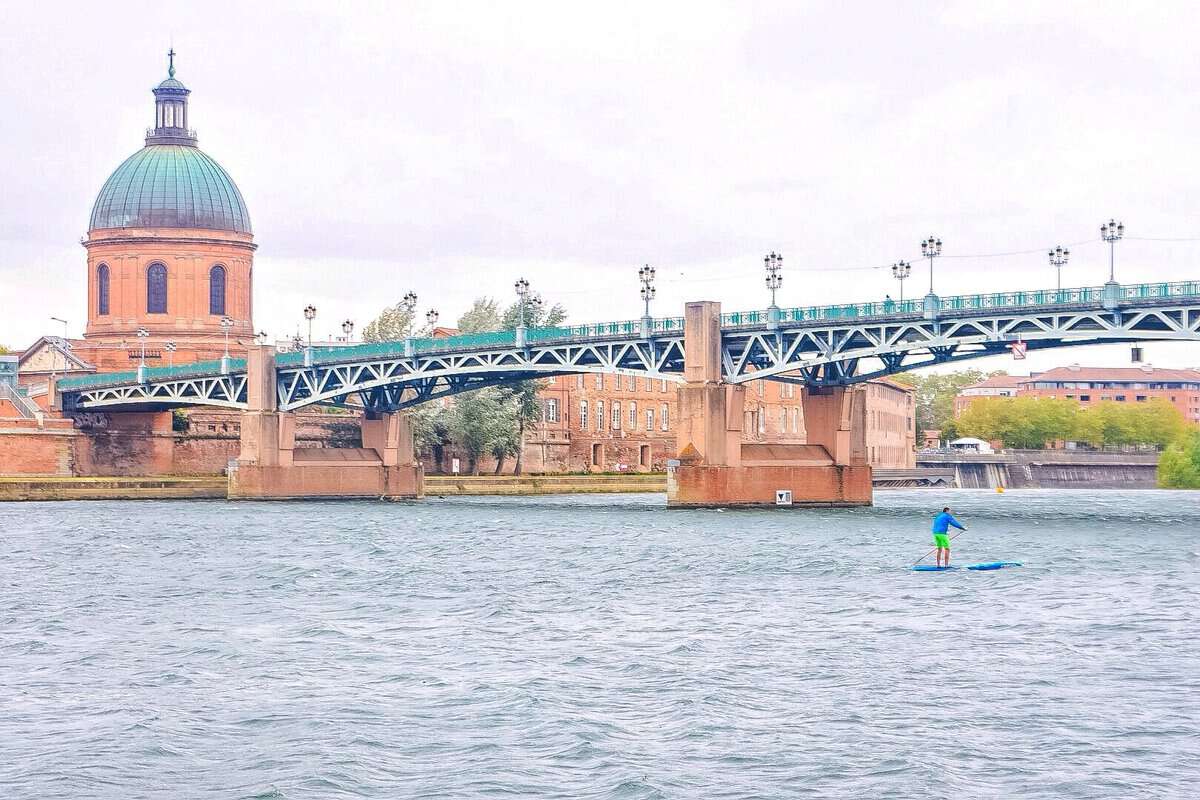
point(600, 647)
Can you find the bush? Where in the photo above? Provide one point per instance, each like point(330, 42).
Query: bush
point(1179, 467)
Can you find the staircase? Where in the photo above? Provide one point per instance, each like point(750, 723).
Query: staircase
point(26, 408)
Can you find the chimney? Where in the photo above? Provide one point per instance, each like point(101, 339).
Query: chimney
point(1074, 368)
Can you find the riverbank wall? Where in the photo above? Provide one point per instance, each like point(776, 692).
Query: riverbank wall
point(1047, 469)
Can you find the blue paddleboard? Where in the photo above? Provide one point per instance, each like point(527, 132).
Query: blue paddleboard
point(988, 565)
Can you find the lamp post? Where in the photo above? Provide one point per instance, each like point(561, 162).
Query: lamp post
point(1112, 232)
point(522, 289)
point(64, 340)
point(773, 262)
point(431, 317)
point(310, 313)
point(142, 334)
point(931, 248)
point(646, 276)
point(170, 347)
point(226, 325)
point(1058, 257)
point(408, 304)
point(348, 330)
point(261, 336)
point(900, 271)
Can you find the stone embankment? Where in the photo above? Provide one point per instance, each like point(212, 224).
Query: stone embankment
point(116, 488)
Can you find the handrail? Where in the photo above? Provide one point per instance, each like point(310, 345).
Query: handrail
point(24, 406)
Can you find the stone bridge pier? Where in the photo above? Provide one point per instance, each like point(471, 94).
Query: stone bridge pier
point(271, 467)
point(717, 468)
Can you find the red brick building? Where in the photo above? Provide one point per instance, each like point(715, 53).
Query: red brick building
point(1090, 385)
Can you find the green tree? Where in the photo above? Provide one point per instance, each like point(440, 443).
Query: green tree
point(1179, 466)
point(393, 324)
point(935, 395)
point(483, 316)
point(4, 350)
point(477, 422)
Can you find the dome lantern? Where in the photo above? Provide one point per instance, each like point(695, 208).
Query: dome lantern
point(170, 110)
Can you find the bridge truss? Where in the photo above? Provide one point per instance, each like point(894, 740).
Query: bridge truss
point(813, 352)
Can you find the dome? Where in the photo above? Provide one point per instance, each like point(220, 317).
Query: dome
point(170, 186)
point(172, 83)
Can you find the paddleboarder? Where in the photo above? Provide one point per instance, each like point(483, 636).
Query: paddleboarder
point(941, 526)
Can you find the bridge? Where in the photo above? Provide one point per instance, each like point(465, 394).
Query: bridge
point(825, 349)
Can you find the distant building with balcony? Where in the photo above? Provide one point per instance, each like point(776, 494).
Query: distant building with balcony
point(995, 386)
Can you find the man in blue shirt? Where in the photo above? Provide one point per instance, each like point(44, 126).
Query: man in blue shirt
point(941, 526)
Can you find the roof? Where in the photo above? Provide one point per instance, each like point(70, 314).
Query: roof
point(1114, 375)
point(895, 384)
point(61, 347)
point(999, 382)
point(170, 186)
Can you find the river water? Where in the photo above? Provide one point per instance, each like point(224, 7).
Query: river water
point(600, 647)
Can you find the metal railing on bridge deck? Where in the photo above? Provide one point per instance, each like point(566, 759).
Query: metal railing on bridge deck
point(966, 302)
point(626, 328)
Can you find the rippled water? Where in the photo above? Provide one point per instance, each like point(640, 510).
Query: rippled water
point(599, 647)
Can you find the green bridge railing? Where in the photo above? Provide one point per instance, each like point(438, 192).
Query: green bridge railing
point(1088, 295)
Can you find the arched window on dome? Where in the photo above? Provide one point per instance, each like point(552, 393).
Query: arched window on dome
point(102, 289)
point(156, 289)
point(216, 290)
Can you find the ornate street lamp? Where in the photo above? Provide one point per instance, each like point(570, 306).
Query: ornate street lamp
point(226, 324)
point(310, 313)
point(431, 317)
point(900, 271)
point(931, 248)
point(170, 347)
point(773, 262)
point(1112, 232)
point(646, 276)
point(1058, 257)
point(348, 329)
point(522, 289)
point(142, 335)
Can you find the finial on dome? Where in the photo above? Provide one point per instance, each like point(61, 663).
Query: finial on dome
point(171, 63)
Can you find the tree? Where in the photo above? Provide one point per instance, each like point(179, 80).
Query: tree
point(536, 316)
point(4, 350)
point(1033, 422)
point(935, 395)
point(1179, 466)
point(483, 316)
point(477, 422)
point(393, 324)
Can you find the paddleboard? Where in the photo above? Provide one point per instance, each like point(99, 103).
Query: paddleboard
point(996, 565)
point(931, 568)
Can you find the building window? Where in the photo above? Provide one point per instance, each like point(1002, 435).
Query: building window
point(782, 419)
point(579, 381)
point(762, 420)
point(616, 415)
point(663, 383)
point(599, 380)
point(156, 289)
point(1120, 398)
point(599, 415)
point(102, 289)
point(632, 416)
point(216, 291)
point(552, 409)
point(650, 419)
point(1141, 398)
point(663, 421)
point(649, 384)
point(583, 414)
point(795, 420)
point(1085, 398)
point(631, 383)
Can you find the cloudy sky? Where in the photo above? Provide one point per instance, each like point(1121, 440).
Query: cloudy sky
point(451, 148)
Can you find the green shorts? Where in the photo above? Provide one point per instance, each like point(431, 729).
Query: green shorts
point(941, 540)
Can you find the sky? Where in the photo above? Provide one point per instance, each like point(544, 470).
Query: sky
point(451, 148)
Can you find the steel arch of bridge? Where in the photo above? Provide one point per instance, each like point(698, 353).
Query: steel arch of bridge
point(815, 353)
point(833, 354)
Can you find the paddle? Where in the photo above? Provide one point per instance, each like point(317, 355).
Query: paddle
point(934, 550)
